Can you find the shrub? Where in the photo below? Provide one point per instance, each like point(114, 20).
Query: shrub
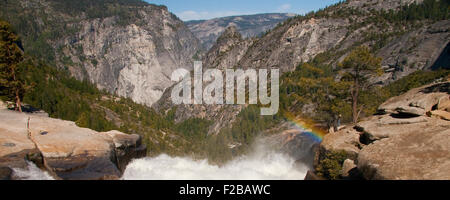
point(330, 165)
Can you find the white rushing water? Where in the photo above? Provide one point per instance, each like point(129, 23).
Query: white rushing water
point(31, 173)
point(262, 165)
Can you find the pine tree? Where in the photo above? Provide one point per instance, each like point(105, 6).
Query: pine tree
point(10, 58)
point(359, 64)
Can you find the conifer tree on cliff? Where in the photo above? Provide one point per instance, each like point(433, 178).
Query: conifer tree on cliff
point(10, 57)
point(359, 64)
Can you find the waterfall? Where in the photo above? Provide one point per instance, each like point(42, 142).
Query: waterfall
point(32, 172)
point(290, 162)
point(281, 157)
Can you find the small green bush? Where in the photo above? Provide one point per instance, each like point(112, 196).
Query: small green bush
point(330, 165)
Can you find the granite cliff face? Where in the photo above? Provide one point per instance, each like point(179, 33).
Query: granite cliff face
point(229, 48)
point(129, 48)
point(405, 48)
point(225, 54)
point(208, 31)
point(138, 60)
point(409, 140)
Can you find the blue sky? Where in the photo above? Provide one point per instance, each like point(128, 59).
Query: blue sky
point(208, 9)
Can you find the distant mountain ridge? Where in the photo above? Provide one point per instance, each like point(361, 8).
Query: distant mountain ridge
point(207, 31)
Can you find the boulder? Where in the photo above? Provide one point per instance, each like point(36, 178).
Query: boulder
point(415, 155)
point(347, 167)
point(127, 147)
point(417, 102)
point(379, 127)
point(346, 140)
point(66, 150)
point(444, 104)
point(441, 114)
point(294, 142)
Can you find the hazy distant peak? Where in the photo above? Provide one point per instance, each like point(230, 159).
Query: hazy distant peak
point(208, 31)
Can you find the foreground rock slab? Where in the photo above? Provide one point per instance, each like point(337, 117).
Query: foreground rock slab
point(417, 155)
point(379, 127)
point(66, 150)
point(15, 146)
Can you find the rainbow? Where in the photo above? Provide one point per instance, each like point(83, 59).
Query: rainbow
point(313, 132)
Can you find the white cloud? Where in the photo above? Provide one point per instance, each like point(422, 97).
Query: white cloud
point(284, 8)
point(196, 15)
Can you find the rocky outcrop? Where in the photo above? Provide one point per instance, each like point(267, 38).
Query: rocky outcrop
point(416, 50)
point(413, 155)
point(419, 101)
point(295, 41)
point(347, 139)
point(127, 48)
point(441, 114)
point(127, 148)
point(249, 26)
point(406, 142)
point(227, 51)
point(347, 168)
point(63, 149)
point(380, 127)
point(294, 142)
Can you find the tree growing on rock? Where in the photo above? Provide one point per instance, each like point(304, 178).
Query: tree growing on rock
point(359, 65)
point(11, 56)
point(316, 85)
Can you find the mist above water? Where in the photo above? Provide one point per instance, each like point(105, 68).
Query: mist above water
point(31, 173)
point(263, 164)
